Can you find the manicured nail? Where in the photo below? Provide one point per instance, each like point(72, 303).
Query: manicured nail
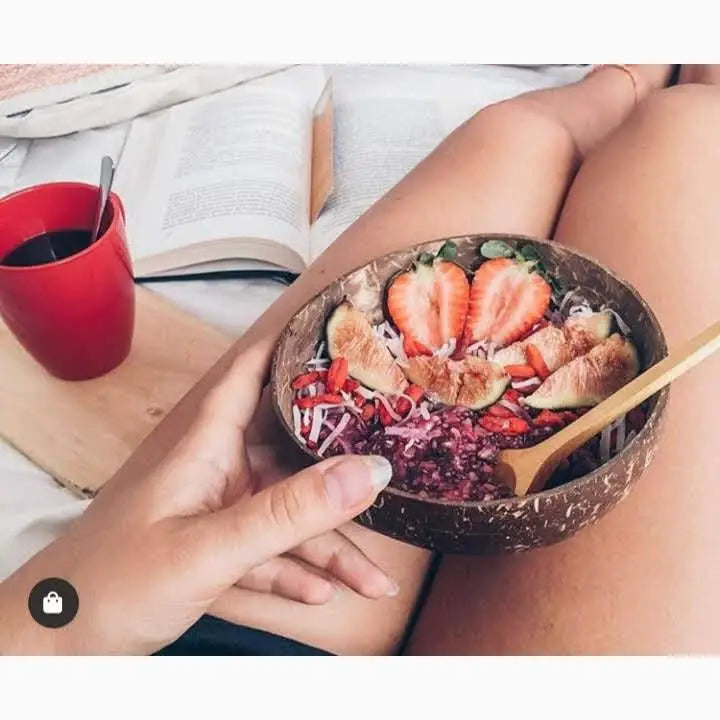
point(393, 588)
point(351, 481)
point(380, 470)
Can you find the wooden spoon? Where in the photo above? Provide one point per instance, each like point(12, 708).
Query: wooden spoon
point(529, 469)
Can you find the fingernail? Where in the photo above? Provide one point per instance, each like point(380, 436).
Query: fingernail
point(351, 481)
point(380, 470)
point(393, 588)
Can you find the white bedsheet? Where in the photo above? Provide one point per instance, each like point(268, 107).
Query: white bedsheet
point(33, 508)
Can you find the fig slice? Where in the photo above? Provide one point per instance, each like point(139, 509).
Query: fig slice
point(439, 377)
point(558, 346)
point(351, 336)
point(473, 382)
point(589, 379)
point(598, 324)
point(483, 383)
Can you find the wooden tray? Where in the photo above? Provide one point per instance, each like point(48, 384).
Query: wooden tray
point(82, 432)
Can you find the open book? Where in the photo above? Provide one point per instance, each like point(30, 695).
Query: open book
point(232, 181)
point(238, 180)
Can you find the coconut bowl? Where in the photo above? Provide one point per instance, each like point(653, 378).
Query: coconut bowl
point(504, 525)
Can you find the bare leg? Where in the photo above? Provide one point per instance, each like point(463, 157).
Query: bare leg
point(644, 580)
point(700, 74)
point(507, 169)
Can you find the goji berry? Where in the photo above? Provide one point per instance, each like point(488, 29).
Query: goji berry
point(384, 416)
point(305, 379)
point(500, 411)
point(520, 372)
point(323, 399)
point(514, 426)
point(350, 385)
point(337, 374)
point(549, 418)
point(536, 362)
point(491, 424)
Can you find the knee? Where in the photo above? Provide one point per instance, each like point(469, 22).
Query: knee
point(527, 119)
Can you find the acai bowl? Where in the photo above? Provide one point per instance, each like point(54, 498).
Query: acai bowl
point(440, 356)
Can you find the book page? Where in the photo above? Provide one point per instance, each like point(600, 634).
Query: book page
point(388, 118)
point(231, 166)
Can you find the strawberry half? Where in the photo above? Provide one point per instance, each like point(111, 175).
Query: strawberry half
point(506, 300)
point(428, 305)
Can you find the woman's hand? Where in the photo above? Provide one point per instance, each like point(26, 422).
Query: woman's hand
point(153, 553)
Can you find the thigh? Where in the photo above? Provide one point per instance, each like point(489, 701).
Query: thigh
point(483, 178)
point(505, 170)
point(645, 578)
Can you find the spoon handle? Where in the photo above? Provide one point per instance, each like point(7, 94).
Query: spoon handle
point(107, 171)
point(635, 392)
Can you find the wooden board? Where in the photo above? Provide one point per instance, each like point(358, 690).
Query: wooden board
point(82, 432)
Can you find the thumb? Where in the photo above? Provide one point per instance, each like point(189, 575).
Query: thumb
point(305, 505)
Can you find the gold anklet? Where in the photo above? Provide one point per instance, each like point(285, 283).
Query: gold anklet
point(627, 70)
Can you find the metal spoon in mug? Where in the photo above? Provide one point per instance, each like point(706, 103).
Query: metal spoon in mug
point(107, 173)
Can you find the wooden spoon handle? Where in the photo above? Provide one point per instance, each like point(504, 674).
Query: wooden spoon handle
point(631, 395)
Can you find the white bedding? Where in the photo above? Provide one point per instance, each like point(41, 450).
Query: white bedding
point(33, 508)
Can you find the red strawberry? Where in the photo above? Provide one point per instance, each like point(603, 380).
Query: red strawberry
point(428, 305)
point(506, 300)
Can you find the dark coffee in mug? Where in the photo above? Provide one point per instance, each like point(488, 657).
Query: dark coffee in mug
point(48, 247)
point(69, 303)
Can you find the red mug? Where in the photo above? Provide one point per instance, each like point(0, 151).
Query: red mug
point(76, 315)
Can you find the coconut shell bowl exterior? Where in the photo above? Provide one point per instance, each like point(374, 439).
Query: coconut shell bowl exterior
point(505, 525)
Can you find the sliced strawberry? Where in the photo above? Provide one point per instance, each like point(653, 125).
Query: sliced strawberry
point(506, 300)
point(428, 305)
